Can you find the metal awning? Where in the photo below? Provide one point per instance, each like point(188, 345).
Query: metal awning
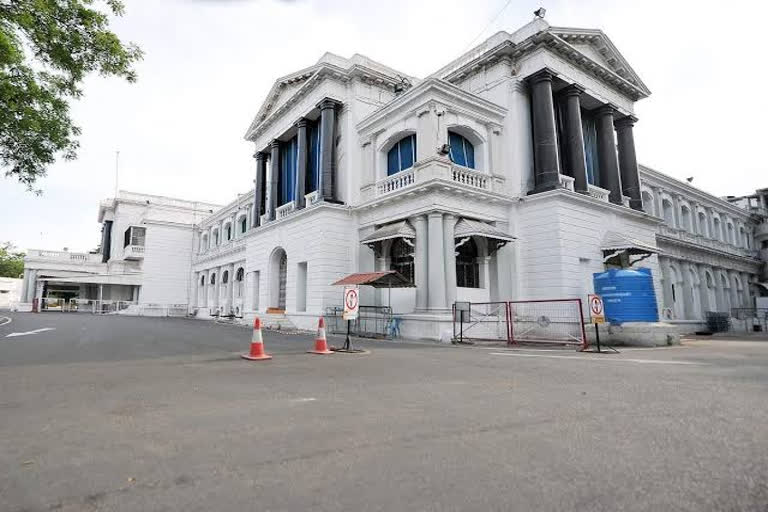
point(400, 229)
point(615, 243)
point(386, 279)
point(764, 285)
point(468, 227)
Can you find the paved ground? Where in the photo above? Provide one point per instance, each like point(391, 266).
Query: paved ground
point(126, 414)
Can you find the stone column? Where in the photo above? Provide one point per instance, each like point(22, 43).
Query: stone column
point(32, 286)
point(630, 177)
point(694, 217)
point(436, 255)
point(576, 161)
point(666, 275)
point(24, 286)
point(735, 299)
point(232, 285)
point(711, 225)
point(546, 163)
point(195, 288)
point(449, 223)
point(301, 166)
point(274, 174)
point(421, 262)
point(259, 193)
point(606, 154)
point(676, 211)
point(327, 188)
point(690, 288)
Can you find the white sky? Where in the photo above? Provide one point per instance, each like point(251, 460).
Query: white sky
point(209, 64)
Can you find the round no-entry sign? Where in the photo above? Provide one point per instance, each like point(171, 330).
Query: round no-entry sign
point(596, 311)
point(351, 303)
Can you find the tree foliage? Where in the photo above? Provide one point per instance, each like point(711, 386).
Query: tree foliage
point(11, 262)
point(47, 47)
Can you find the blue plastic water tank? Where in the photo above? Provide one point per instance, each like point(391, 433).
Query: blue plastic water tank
point(628, 295)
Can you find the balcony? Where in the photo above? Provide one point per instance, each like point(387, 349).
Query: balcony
point(601, 194)
point(133, 252)
point(63, 256)
point(431, 170)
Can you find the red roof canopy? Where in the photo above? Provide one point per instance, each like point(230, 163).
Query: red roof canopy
point(386, 279)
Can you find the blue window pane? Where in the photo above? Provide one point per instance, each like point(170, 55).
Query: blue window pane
point(287, 178)
point(393, 160)
point(469, 149)
point(456, 142)
point(406, 152)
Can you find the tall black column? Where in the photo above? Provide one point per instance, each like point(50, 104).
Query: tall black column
point(274, 174)
point(630, 178)
point(606, 154)
point(260, 191)
point(576, 161)
point(301, 166)
point(327, 186)
point(546, 165)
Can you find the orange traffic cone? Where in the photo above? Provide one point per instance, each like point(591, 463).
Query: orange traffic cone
point(321, 344)
point(257, 344)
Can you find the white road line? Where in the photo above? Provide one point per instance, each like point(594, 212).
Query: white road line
point(607, 358)
point(300, 400)
point(15, 334)
point(7, 320)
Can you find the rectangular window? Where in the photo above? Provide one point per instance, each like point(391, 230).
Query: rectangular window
point(407, 152)
point(301, 287)
point(589, 127)
point(134, 236)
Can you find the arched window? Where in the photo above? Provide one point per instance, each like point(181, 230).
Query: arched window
point(215, 237)
point(647, 202)
point(401, 258)
point(467, 268)
point(402, 155)
point(228, 231)
point(717, 235)
point(703, 224)
point(202, 280)
point(462, 151)
point(685, 218)
point(243, 225)
point(225, 277)
point(240, 274)
point(204, 243)
point(669, 216)
point(729, 237)
point(213, 278)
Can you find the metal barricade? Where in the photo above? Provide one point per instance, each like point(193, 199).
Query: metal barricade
point(371, 322)
point(752, 319)
point(484, 321)
point(82, 306)
point(559, 321)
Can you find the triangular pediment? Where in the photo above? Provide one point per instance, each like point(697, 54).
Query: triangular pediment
point(593, 44)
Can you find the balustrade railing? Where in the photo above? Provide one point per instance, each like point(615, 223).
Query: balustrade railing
point(598, 193)
point(470, 177)
point(395, 182)
point(567, 182)
point(285, 210)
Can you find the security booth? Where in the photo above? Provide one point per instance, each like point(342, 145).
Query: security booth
point(372, 321)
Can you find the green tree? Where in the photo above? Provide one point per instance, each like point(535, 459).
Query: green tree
point(47, 47)
point(11, 262)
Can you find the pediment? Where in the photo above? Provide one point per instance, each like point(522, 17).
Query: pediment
point(594, 45)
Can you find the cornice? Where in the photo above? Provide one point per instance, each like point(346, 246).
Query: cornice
point(694, 248)
point(689, 190)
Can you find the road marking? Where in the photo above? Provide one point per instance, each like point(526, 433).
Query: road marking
point(15, 334)
point(7, 320)
point(309, 399)
point(608, 358)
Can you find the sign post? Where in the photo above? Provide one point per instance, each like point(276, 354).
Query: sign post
point(351, 310)
point(596, 314)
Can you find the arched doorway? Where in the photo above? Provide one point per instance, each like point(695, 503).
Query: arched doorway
point(278, 277)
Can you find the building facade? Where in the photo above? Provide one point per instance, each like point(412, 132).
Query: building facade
point(144, 256)
point(510, 173)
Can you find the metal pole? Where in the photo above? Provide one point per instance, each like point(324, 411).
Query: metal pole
point(347, 343)
point(597, 337)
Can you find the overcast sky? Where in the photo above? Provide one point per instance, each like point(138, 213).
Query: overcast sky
point(209, 64)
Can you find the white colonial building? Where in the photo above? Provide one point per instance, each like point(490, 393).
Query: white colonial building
point(144, 256)
point(510, 173)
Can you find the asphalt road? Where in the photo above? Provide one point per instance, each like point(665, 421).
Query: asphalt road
point(129, 414)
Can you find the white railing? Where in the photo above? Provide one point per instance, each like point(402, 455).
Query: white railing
point(395, 182)
point(470, 177)
point(75, 257)
point(567, 182)
point(283, 211)
point(312, 198)
point(599, 193)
